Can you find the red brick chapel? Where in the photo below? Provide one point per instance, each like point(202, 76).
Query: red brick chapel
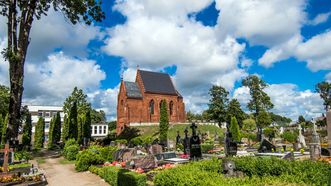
point(139, 101)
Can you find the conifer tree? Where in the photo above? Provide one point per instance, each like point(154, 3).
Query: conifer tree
point(27, 131)
point(81, 121)
point(65, 129)
point(164, 123)
point(87, 125)
point(57, 128)
point(1, 125)
point(39, 134)
point(72, 123)
point(234, 129)
point(51, 133)
point(4, 130)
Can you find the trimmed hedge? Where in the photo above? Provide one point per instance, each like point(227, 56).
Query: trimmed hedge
point(259, 171)
point(119, 177)
point(87, 158)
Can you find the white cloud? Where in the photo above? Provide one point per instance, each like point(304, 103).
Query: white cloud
point(316, 52)
point(261, 22)
point(320, 18)
point(4, 66)
point(52, 81)
point(288, 100)
point(328, 77)
point(105, 100)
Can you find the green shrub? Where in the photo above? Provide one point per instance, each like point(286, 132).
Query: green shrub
point(258, 171)
point(71, 152)
point(86, 158)
point(136, 141)
point(105, 152)
point(131, 178)
point(22, 155)
point(118, 176)
point(206, 147)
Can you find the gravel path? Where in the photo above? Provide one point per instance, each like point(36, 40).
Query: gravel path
point(65, 175)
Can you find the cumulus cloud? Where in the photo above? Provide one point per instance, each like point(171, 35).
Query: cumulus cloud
point(261, 22)
point(320, 18)
point(288, 100)
point(53, 80)
point(328, 77)
point(4, 66)
point(316, 52)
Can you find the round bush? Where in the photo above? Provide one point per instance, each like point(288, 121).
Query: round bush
point(86, 158)
point(71, 152)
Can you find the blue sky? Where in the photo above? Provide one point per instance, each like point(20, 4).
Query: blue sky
point(199, 43)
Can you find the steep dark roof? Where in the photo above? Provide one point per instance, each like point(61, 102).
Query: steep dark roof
point(132, 90)
point(156, 82)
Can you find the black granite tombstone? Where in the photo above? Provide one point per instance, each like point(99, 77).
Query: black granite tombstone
point(267, 146)
point(178, 139)
point(186, 143)
point(195, 148)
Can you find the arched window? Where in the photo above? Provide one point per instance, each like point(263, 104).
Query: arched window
point(171, 107)
point(151, 107)
point(122, 102)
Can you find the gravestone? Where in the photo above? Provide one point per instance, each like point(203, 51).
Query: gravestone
point(156, 149)
point(195, 148)
point(147, 162)
point(315, 147)
point(301, 139)
point(328, 121)
point(266, 146)
point(178, 139)
point(186, 142)
point(124, 154)
point(6, 158)
point(231, 147)
point(171, 144)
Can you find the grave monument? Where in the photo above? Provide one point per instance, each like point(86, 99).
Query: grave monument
point(315, 146)
point(328, 121)
point(301, 139)
point(195, 148)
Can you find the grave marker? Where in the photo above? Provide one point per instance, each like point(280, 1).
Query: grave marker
point(6, 152)
point(195, 148)
point(328, 121)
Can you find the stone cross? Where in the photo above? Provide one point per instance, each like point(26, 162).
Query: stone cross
point(6, 157)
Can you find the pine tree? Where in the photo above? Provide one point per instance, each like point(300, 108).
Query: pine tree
point(73, 124)
point(51, 133)
point(65, 129)
point(57, 128)
point(234, 129)
point(27, 131)
point(39, 134)
point(4, 130)
point(164, 123)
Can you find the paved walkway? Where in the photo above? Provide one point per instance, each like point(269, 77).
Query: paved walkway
point(65, 175)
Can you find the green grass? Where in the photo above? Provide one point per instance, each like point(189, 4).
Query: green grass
point(20, 165)
point(172, 133)
point(41, 160)
point(65, 161)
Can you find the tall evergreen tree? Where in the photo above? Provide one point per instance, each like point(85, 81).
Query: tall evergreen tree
point(218, 104)
point(87, 126)
point(164, 123)
point(234, 129)
point(4, 130)
point(80, 125)
point(27, 131)
point(1, 125)
point(73, 123)
point(57, 128)
point(65, 129)
point(234, 110)
point(51, 133)
point(39, 135)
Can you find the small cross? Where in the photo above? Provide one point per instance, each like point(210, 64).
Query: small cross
point(6, 151)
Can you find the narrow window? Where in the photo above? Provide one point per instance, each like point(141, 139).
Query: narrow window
point(151, 107)
point(171, 105)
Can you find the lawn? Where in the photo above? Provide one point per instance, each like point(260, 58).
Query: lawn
point(172, 133)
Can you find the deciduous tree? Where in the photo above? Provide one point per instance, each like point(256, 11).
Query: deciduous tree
point(20, 16)
point(4, 100)
point(324, 89)
point(218, 104)
point(77, 96)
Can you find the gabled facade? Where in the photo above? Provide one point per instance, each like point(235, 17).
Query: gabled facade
point(139, 101)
